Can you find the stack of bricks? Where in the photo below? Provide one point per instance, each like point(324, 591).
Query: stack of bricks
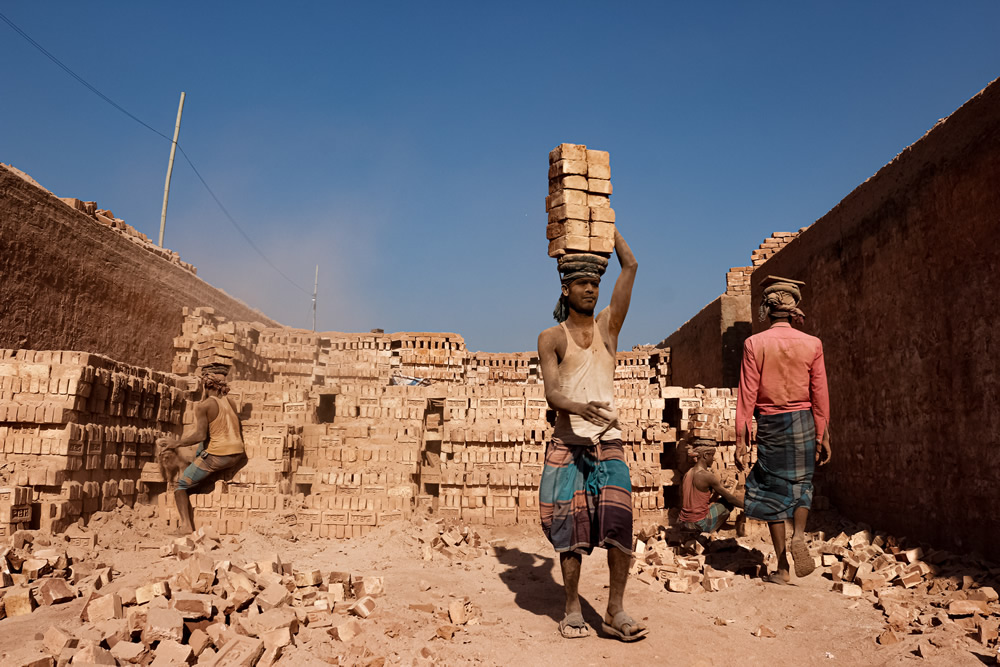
point(357, 358)
point(15, 509)
point(292, 354)
point(77, 429)
point(434, 356)
point(492, 452)
point(485, 368)
point(771, 245)
point(208, 339)
point(108, 219)
point(471, 445)
point(738, 281)
point(580, 217)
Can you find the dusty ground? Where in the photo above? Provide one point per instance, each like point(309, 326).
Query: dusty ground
point(518, 594)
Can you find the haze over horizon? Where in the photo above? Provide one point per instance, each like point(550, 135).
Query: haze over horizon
point(403, 148)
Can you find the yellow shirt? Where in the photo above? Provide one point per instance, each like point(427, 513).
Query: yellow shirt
point(224, 431)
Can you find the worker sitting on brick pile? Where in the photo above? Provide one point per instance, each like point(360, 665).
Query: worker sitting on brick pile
point(700, 488)
point(217, 428)
point(783, 384)
point(585, 495)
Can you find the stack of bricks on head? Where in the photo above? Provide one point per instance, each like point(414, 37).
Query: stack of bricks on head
point(579, 203)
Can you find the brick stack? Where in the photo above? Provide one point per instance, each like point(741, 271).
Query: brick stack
point(364, 358)
point(771, 245)
point(580, 217)
point(209, 339)
point(486, 368)
point(435, 356)
point(292, 354)
point(738, 280)
point(77, 428)
point(492, 452)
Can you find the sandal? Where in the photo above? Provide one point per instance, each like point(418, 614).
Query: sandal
point(616, 627)
point(804, 563)
point(573, 626)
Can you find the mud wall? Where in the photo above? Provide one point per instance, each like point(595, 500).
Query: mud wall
point(70, 283)
point(706, 349)
point(902, 289)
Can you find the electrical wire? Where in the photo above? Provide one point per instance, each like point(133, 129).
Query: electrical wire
point(197, 173)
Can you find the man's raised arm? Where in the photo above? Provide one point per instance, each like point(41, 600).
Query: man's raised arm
point(622, 295)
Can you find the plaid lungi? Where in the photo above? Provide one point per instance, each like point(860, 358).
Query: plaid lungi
point(585, 497)
point(206, 464)
point(781, 480)
point(716, 516)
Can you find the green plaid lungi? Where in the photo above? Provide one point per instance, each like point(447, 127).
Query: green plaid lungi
point(585, 497)
point(717, 515)
point(206, 464)
point(781, 480)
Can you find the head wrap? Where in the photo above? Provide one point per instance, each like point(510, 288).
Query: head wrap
point(781, 300)
point(701, 446)
point(213, 376)
point(573, 267)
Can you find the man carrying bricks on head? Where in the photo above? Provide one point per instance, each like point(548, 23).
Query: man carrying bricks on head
point(783, 384)
point(217, 428)
point(698, 512)
point(585, 494)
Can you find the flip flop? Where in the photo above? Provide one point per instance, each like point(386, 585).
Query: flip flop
point(616, 627)
point(804, 563)
point(576, 622)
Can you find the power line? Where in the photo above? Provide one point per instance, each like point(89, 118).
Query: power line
point(107, 99)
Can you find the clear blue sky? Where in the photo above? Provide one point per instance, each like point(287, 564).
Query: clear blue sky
point(403, 146)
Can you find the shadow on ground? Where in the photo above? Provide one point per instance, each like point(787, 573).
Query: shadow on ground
point(529, 578)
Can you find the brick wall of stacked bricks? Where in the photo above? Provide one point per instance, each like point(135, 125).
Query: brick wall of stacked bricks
point(327, 435)
point(738, 280)
point(76, 430)
point(771, 245)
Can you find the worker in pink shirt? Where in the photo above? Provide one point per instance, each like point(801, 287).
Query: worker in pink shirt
point(783, 385)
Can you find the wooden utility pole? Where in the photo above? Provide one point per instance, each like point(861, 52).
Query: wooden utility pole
point(170, 169)
point(315, 287)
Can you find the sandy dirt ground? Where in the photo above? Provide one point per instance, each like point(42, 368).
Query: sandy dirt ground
point(517, 600)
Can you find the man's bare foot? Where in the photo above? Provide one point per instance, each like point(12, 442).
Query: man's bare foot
point(782, 575)
point(778, 578)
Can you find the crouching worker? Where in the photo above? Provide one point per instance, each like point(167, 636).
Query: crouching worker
point(217, 428)
point(706, 503)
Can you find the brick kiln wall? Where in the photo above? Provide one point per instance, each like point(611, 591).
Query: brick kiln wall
point(902, 289)
point(70, 282)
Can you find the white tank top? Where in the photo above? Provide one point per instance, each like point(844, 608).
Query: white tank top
point(586, 375)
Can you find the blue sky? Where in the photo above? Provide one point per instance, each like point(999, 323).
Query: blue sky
point(403, 146)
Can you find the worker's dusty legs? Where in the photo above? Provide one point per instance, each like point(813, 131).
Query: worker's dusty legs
point(572, 625)
point(777, 529)
point(184, 511)
point(620, 623)
point(804, 563)
point(799, 523)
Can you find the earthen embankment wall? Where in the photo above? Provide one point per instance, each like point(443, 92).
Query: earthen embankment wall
point(902, 288)
point(706, 349)
point(69, 283)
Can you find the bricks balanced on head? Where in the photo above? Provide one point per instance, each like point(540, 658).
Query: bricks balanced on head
point(580, 217)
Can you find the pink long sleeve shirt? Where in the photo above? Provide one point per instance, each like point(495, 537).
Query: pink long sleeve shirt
point(783, 371)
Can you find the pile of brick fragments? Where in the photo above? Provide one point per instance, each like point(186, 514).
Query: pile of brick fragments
point(934, 598)
point(209, 611)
